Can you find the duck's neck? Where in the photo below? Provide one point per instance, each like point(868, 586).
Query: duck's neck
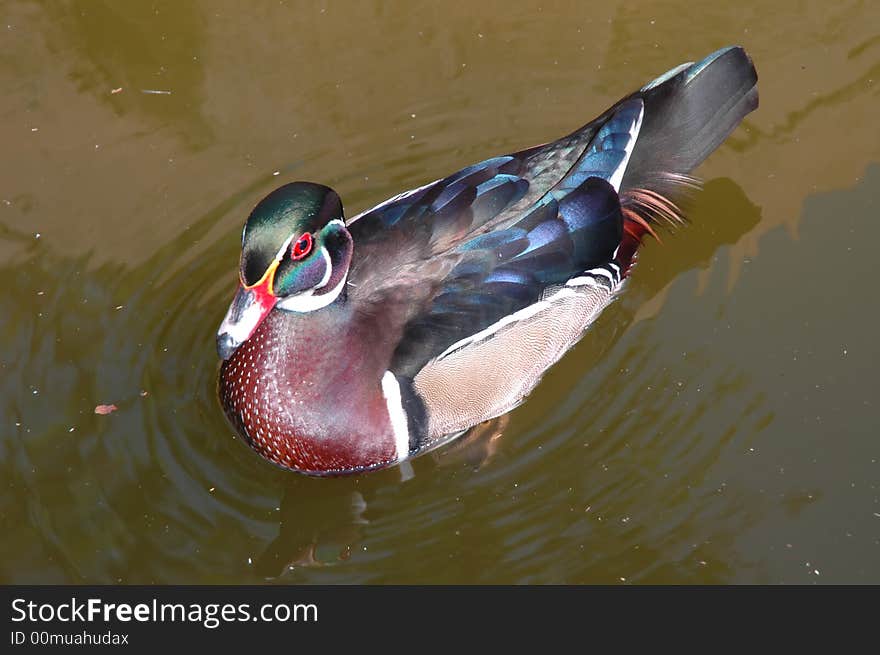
point(309, 392)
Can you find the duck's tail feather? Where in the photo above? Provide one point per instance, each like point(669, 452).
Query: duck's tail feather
point(688, 112)
point(644, 208)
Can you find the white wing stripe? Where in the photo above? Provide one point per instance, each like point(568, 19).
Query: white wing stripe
point(617, 176)
point(521, 315)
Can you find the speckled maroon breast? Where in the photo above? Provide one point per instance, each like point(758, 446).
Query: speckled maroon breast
point(311, 423)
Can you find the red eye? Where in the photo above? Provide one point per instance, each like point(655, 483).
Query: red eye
point(302, 246)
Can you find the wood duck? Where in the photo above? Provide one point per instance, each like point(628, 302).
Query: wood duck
point(355, 344)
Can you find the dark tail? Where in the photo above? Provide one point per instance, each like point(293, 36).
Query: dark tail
point(688, 112)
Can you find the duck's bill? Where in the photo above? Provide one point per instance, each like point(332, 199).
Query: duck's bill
point(248, 309)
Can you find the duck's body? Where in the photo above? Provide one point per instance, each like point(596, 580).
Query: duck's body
point(354, 346)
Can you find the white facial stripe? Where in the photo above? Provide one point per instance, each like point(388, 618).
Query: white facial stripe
point(617, 176)
point(328, 269)
point(396, 414)
point(308, 301)
point(280, 254)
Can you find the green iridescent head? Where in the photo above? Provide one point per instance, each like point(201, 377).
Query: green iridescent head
point(295, 254)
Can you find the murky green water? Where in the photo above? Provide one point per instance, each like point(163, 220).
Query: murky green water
point(719, 423)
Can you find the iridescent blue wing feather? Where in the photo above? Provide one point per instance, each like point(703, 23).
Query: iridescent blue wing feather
point(501, 272)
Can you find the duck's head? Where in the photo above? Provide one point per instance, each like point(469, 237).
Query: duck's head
point(295, 253)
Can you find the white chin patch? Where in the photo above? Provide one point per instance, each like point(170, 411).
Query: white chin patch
point(307, 301)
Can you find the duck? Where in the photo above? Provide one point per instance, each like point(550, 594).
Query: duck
point(356, 344)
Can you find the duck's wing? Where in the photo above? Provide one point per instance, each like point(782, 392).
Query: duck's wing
point(645, 142)
point(419, 237)
point(433, 219)
point(499, 278)
point(473, 334)
point(452, 259)
point(435, 308)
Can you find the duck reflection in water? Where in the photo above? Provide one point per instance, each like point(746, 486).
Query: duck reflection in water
point(321, 529)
